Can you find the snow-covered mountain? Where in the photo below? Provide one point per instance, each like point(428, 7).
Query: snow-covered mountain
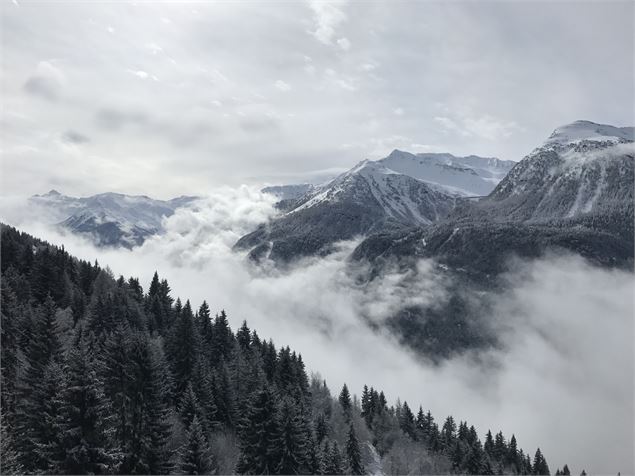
point(582, 168)
point(467, 176)
point(368, 198)
point(402, 190)
point(574, 191)
point(110, 219)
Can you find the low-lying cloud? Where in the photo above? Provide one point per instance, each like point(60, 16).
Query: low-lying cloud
point(563, 379)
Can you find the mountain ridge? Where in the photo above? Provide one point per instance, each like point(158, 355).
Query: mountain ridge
point(110, 218)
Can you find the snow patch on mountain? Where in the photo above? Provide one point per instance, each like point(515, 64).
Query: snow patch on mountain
point(590, 131)
point(467, 176)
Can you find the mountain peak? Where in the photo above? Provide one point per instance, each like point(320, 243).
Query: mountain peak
point(399, 153)
point(52, 193)
point(591, 131)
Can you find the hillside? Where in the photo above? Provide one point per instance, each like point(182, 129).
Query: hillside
point(100, 376)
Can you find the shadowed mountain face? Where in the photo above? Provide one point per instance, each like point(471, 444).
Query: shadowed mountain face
point(574, 192)
point(109, 219)
point(398, 192)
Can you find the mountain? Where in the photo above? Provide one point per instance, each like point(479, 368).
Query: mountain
point(110, 219)
point(467, 176)
point(368, 198)
point(397, 192)
point(574, 192)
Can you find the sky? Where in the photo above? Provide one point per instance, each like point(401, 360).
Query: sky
point(166, 99)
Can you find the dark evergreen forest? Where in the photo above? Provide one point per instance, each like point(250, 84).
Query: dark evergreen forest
point(101, 376)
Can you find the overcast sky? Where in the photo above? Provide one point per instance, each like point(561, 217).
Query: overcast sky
point(167, 99)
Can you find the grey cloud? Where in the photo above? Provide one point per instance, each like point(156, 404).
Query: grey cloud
point(114, 120)
point(42, 87)
point(74, 137)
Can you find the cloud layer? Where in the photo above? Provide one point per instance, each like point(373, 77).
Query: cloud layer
point(197, 95)
point(563, 380)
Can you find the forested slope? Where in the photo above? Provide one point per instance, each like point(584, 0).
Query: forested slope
point(100, 376)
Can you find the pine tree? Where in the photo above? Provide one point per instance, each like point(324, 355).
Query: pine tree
point(512, 455)
point(196, 457)
point(243, 336)
point(146, 450)
point(335, 464)
point(9, 342)
point(540, 466)
point(407, 421)
point(206, 331)
point(39, 389)
point(259, 432)
point(117, 378)
point(345, 400)
point(353, 452)
point(189, 408)
point(223, 338)
point(183, 348)
point(475, 459)
point(321, 429)
point(489, 444)
point(292, 444)
point(83, 419)
point(448, 433)
point(223, 395)
point(9, 458)
point(500, 448)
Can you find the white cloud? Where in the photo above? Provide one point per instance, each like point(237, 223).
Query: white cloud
point(398, 111)
point(484, 126)
point(344, 43)
point(139, 74)
point(328, 16)
point(282, 86)
point(448, 124)
point(489, 127)
point(154, 48)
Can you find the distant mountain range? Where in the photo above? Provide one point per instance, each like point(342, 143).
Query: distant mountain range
point(471, 215)
point(574, 191)
point(109, 219)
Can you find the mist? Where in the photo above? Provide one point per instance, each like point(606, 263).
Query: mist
point(562, 379)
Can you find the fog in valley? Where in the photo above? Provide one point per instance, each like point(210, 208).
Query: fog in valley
point(562, 378)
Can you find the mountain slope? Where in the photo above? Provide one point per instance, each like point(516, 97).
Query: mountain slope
point(575, 191)
point(121, 354)
point(367, 198)
point(110, 219)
